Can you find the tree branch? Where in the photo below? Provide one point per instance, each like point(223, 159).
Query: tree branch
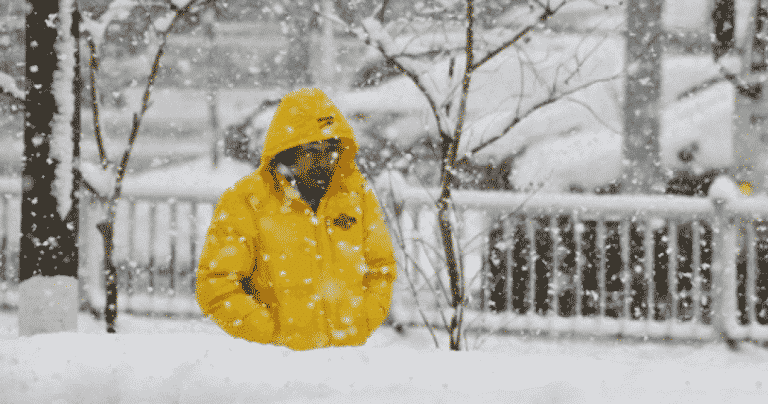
point(450, 147)
point(382, 10)
point(366, 38)
point(548, 12)
point(593, 113)
point(411, 75)
point(137, 118)
point(415, 79)
point(90, 188)
point(428, 54)
point(580, 61)
point(742, 86)
point(441, 289)
point(96, 29)
point(93, 66)
point(401, 243)
point(551, 99)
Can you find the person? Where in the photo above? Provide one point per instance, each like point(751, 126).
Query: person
point(298, 253)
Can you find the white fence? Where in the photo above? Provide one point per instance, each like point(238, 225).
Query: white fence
point(554, 263)
point(157, 239)
point(657, 266)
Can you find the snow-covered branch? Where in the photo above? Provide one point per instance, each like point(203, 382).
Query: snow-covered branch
point(8, 85)
point(162, 25)
point(378, 37)
point(137, 117)
point(553, 97)
point(120, 10)
point(381, 10)
point(374, 34)
point(97, 180)
point(741, 85)
point(93, 66)
point(97, 28)
point(547, 12)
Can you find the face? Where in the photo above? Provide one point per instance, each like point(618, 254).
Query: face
point(316, 162)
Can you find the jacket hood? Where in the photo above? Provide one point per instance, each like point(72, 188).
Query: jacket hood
point(308, 115)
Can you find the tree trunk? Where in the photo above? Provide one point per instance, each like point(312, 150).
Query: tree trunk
point(455, 271)
point(723, 19)
point(48, 252)
point(73, 220)
point(106, 229)
point(645, 39)
point(449, 149)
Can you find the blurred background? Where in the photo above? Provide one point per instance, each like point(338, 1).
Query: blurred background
point(227, 64)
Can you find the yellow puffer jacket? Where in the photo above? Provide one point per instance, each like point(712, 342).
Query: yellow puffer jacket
point(315, 280)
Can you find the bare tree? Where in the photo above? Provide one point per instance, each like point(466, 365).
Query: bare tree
point(447, 98)
point(109, 191)
point(49, 201)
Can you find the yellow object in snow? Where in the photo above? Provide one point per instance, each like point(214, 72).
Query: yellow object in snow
point(274, 271)
point(745, 188)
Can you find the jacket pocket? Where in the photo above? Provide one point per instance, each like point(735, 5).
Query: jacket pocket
point(375, 311)
point(346, 235)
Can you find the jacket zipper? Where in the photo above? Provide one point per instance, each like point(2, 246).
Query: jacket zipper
point(323, 240)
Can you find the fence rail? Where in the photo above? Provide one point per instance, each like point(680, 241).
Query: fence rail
point(632, 265)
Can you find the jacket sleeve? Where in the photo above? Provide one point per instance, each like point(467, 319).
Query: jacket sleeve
point(380, 259)
point(227, 259)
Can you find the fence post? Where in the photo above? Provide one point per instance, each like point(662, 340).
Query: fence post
point(724, 252)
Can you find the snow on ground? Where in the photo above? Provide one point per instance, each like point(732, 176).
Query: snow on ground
point(192, 361)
